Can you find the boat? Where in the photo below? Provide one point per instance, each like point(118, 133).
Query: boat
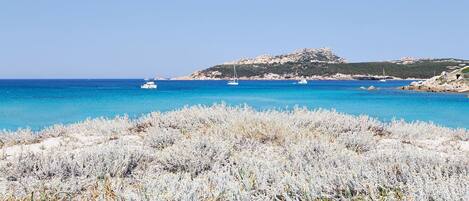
point(371, 88)
point(303, 81)
point(149, 85)
point(234, 81)
point(384, 77)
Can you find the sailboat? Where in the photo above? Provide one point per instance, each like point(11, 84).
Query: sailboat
point(303, 81)
point(234, 81)
point(384, 77)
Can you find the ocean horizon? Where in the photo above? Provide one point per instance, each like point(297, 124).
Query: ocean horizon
point(40, 103)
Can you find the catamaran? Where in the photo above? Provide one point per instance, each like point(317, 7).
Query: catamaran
point(149, 85)
point(384, 77)
point(234, 81)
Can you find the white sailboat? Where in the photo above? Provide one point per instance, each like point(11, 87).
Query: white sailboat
point(384, 77)
point(303, 81)
point(234, 81)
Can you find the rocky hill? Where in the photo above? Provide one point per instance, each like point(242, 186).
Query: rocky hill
point(323, 63)
point(321, 55)
point(455, 81)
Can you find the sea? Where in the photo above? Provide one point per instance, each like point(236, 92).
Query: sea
point(37, 104)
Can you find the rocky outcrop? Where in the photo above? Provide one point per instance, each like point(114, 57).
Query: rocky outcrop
point(455, 81)
point(320, 55)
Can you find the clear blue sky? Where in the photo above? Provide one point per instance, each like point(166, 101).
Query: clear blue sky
point(136, 39)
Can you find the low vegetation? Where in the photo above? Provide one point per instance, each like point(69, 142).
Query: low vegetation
point(465, 70)
point(421, 69)
point(236, 153)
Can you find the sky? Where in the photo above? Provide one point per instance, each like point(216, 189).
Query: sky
point(138, 39)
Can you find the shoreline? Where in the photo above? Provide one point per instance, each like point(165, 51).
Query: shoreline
point(358, 78)
point(431, 90)
point(456, 81)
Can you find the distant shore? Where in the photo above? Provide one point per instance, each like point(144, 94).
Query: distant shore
point(314, 77)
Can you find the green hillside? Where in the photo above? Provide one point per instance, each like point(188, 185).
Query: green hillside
point(420, 69)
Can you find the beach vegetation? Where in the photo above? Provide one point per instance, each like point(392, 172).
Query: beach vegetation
point(236, 153)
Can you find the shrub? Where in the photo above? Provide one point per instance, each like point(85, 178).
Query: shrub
point(237, 153)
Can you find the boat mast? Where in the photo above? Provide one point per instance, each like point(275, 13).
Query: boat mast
point(297, 74)
point(235, 76)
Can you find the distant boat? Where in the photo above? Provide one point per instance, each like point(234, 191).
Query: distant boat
point(371, 88)
point(303, 81)
point(384, 77)
point(234, 81)
point(149, 85)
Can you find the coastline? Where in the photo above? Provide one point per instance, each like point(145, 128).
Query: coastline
point(456, 81)
point(433, 89)
point(220, 151)
point(277, 77)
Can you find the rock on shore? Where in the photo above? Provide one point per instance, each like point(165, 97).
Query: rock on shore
point(455, 81)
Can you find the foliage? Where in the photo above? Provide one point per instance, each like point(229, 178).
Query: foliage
point(465, 70)
point(421, 69)
point(237, 153)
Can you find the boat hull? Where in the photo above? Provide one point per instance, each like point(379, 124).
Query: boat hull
point(148, 87)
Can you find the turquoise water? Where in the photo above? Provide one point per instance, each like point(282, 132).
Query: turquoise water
point(40, 103)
